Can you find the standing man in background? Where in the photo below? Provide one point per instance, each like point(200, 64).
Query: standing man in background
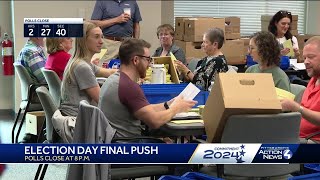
point(119, 20)
point(33, 58)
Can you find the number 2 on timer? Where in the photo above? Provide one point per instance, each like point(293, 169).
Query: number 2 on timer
point(61, 32)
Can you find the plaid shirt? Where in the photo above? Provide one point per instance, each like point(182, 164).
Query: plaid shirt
point(32, 57)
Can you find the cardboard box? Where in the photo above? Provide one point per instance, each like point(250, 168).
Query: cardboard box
point(294, 32)
point(246, 42)
point(302, 38)
point(35, 120)
point(238, 93)
point(265, 19)
point(195, 27)
point(232, 28)
point(179, 28)
point(172, 67)
point(231, 36)
point(191, 49)
point(233, 51)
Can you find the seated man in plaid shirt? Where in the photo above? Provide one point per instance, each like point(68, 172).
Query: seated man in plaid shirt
point(33, 58)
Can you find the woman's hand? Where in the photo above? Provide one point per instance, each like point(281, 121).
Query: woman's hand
point(95, 61)
point(285, 51)
point(296, 52)
point(181, 67)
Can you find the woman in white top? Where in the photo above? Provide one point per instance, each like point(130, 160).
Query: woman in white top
point(280, 26)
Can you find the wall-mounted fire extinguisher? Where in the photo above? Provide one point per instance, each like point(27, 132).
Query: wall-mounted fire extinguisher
point(7, 55)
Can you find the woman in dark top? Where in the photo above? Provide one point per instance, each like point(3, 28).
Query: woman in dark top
point(165, 34)
point(208, 67)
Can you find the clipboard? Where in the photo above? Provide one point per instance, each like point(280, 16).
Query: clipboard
point(172, 67)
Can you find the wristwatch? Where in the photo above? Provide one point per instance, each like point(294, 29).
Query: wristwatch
point(166, 105)
point(300, 110)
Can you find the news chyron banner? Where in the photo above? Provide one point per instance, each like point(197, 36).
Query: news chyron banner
point(160, 153)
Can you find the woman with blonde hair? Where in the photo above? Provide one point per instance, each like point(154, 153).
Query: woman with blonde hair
point(79, 79)
point(58, 58)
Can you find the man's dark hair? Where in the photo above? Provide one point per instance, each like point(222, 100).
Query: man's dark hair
point(132, 47)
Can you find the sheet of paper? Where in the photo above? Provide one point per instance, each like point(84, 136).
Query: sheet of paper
point(282, 94)
point(186, 115)
point(288, 44)
point(293, 61)
point(190, 92)
point(101, 54)
point(299, 66)
point(172, 56)
point(187, 121)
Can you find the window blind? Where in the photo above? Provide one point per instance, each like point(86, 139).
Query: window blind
point(249, 11)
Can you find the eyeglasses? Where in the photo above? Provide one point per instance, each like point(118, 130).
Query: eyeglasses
point(250, 48)
point(148, 58)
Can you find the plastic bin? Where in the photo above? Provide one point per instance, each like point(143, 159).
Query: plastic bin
point(158, 93)
point(312, 168)
point(171, 177)
point(250, 61)
point(315, 176)
point(199, 176)
point(189, 176)
point(284, 62)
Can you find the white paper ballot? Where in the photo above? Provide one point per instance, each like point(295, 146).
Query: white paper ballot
point(299, 66)
point(190, 92)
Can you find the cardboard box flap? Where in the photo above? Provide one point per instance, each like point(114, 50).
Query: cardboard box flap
point(172, 67)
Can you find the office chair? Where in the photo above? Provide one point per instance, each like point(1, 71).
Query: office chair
point(90, 122)
point(260, 128)
point(54, 84)
point(49, 108)
point(298, 91)
point(193, 64)
point(29, 100)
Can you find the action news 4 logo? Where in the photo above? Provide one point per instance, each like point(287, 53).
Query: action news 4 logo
point(275, 153)
point(226, 152)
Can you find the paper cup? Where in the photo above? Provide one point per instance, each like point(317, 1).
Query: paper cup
point(127, 11)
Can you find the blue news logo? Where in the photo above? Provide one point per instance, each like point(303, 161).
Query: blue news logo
point(287, 154)
point(226, 153)
point(275, 153)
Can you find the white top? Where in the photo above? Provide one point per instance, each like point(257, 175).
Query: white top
point(294, 40)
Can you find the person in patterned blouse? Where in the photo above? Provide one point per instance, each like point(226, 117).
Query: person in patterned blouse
point(207, 68)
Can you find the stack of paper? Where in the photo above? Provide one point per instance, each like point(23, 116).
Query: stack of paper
point(189, 93)
point(282, 94)
point(288, 44)
point(298, 66)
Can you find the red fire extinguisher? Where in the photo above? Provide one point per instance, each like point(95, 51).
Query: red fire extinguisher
point(7, 55)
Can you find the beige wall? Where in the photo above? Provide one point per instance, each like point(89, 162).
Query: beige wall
point(6, 82)
point(153, 13)
point(312, 17)
point(150, 12)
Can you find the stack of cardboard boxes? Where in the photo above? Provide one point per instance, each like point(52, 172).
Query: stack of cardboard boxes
point(302, 38)
point(265, 20)
point(189, 35)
